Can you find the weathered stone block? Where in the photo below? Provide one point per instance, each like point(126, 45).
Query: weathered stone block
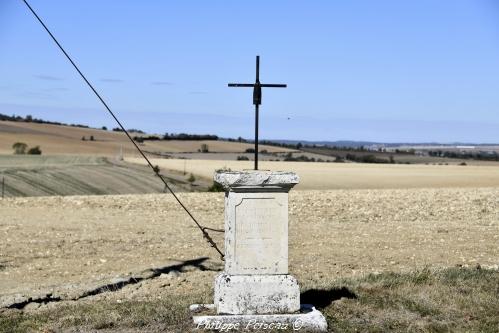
point(256, 294)
point(256, 221)
point(256, 180)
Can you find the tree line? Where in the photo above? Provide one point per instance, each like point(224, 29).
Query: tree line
point(467, 155)
point(31, 119)
point(179, 136)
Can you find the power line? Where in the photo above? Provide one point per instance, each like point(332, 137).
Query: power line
point(156, 171)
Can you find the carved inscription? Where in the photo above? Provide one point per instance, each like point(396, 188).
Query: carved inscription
point(260, 227)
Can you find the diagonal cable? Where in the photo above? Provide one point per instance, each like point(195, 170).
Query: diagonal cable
point(202, 228)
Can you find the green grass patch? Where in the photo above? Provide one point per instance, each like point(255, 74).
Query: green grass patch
point(169, 315)
point(448, 300)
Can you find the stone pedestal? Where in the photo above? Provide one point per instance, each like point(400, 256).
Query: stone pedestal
point(255, 281)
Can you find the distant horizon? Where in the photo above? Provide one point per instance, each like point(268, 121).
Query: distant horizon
point(250, 139)
point(384, 71)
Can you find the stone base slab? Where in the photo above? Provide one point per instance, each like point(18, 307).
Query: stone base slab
point(307, 320)
point(256, 294)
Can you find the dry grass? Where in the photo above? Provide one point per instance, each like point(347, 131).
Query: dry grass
point(325, 176)
point(448, 300)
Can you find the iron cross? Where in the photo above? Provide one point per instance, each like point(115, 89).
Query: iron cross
point(257, 100)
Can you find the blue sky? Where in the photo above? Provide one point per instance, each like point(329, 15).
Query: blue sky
point(393, 71)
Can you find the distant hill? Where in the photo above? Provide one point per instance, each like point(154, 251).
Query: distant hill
point(76, 140)
point(357, 144)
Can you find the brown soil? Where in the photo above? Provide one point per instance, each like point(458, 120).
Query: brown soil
point(144, 246)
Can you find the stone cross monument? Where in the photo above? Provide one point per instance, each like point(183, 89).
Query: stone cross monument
point(256, 279)
point(255, 290)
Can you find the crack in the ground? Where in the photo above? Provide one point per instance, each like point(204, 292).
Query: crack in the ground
point(41, 300)
point(115, 286)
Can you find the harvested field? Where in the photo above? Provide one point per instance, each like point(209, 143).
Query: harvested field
point(94, 254)
point(34, 175)
point(325, 176)
point(55, 139)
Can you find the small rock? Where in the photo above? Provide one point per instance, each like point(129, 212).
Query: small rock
point(118, 280)
point(172, 274)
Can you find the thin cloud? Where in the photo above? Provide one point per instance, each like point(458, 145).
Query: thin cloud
point(110, 80)
point(56, 89)
point(161, 83)
point(48, 77)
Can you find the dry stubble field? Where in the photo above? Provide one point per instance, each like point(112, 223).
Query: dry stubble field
point(135, 262)
point(326, 176)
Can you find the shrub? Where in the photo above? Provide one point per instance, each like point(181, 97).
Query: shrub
point(462, 163)
point(242, 158)
point(19, 148)
point(204, 148)
point(35, 151)
point(250, 150)
point(191, 178)
point(92, 138)
point(216, 187)
point(83, 138)
point(156, 169)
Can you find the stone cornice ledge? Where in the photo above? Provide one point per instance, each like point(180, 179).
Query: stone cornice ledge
point(256, 178)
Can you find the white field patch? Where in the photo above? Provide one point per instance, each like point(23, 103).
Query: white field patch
point(323, 176)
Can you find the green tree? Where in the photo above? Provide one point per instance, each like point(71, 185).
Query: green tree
point(19, 148)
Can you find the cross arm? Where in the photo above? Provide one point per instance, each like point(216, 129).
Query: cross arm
point(264, 85)
point(241, 84)
point(273, 85)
